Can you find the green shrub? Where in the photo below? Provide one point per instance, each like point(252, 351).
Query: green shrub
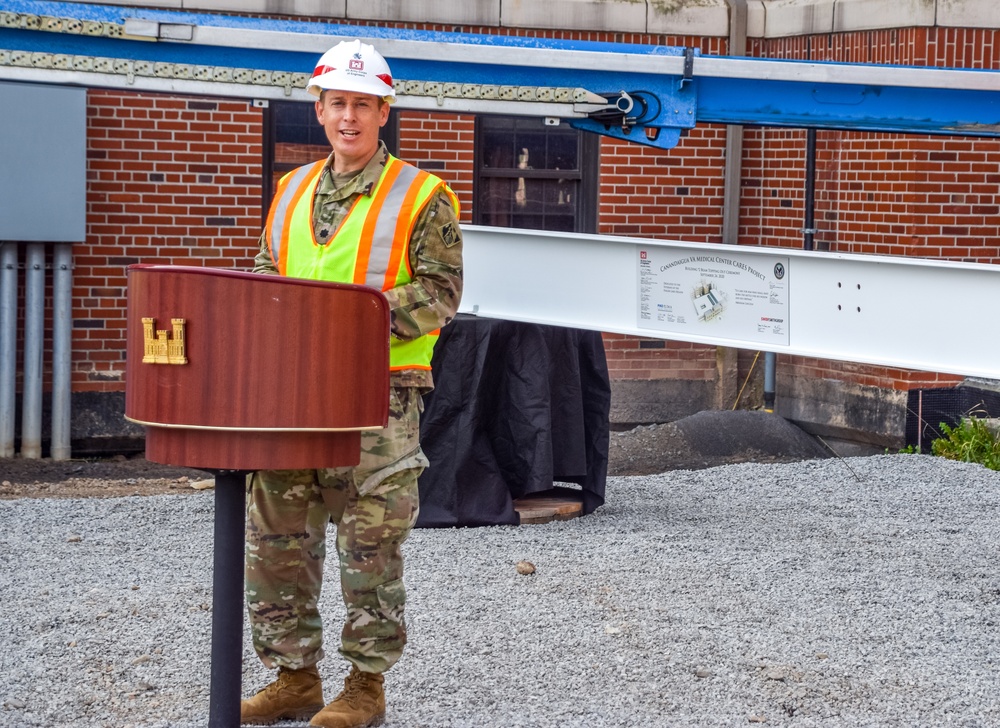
point(970, 441)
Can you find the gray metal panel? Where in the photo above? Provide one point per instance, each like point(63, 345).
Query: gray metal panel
point(43, 163)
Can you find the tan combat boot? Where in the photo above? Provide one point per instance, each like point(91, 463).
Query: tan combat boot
point(295, 695)
point(360, 705)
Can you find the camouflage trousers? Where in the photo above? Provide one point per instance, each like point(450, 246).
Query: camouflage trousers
point(373, 507)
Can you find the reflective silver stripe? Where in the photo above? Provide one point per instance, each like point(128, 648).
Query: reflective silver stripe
point(385, 227)
point(281, 209)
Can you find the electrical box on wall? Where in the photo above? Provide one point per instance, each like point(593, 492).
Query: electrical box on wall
point(43, 163)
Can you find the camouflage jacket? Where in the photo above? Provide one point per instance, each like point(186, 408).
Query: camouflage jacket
point(431, 299)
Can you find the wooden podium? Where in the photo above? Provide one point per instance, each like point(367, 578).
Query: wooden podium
point(253, 372)
point(233, 372)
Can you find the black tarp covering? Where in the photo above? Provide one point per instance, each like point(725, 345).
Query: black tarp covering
point(515, 407)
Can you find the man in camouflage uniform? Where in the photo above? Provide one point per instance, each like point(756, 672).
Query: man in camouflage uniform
point(373, 505)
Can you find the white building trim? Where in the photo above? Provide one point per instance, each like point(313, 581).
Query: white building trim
point(766, 18)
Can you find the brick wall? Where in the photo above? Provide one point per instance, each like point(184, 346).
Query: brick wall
point(868, 375)
point(889, 194)
point(630, 357)
point(169, 180)
point(177, 180)
point(675, 193)
point(442, 144)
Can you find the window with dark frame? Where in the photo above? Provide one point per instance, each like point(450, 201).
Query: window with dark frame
point(536, 175)
point(528, 173)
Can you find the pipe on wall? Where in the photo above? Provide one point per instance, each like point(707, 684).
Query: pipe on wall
point(62, 333)
point(34, 323)
point(809, 228)
point(8, 345)
point(733, 173)
point(808, 234)
point(33, 352)
point(734, 133)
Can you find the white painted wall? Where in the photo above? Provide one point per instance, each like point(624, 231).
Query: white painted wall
point(627, 16)
point(469, 12)
point(688, 17)
point(968, 13)
point(874, 14)
point(766, 18)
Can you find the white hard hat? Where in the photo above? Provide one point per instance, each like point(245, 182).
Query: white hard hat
point(353, 66)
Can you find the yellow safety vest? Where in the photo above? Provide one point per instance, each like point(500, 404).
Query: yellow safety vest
point(371, 245)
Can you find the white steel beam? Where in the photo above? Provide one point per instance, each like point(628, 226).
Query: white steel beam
point(901, 312)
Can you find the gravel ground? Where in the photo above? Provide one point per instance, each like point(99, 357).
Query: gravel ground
point(838, 592)
point(702, 440)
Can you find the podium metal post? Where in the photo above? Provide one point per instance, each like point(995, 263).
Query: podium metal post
point(227, 600)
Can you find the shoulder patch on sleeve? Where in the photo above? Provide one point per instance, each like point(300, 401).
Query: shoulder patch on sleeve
point(450, 234)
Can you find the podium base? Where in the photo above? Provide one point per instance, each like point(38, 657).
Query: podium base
point(207, 449)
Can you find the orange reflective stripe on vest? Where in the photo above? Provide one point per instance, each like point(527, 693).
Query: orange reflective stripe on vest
point(372, 241)
point(378, 232)
point(291, 188)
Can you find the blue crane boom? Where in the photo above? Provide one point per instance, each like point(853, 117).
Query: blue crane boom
point(641, 93)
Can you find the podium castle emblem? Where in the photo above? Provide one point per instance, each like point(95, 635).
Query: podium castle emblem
point(159, 346)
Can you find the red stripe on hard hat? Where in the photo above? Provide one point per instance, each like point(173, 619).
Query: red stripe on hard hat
point(320, 70)
point(386, 79)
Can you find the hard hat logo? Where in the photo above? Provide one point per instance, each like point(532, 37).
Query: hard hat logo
point(353, 66)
